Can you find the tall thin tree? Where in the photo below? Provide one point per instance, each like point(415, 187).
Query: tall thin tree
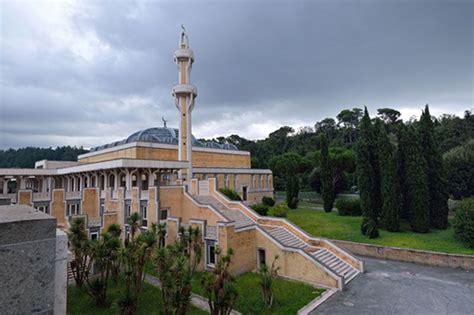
point(366, 174)
point(416, 182)
point(436, 178)
point(327, 183)
point(391, 198)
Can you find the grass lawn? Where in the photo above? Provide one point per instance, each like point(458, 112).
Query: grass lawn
point(290, 296)
point(150, 302)
point(311, 218)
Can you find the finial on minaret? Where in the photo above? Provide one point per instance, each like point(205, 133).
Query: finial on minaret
point(183, 43)
point(164, 121)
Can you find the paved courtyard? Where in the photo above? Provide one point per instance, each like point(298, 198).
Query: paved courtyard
point(390, 287)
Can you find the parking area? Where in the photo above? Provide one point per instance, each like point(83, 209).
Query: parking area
point(391, 287)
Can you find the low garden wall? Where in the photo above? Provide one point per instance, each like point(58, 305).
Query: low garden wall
point(409, 255)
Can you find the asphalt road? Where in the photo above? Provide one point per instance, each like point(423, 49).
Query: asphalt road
point(391, 287)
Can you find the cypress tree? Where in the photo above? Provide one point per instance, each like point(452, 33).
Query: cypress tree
point(366, 176)
point(327, 183)
point(416, 183)
point(390, 187)
point(401, 171)
point(436, 180)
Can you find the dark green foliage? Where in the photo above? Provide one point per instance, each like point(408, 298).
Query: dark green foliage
point(391, 197)
point(401, 171)
point(267, 275)
point(260, 208)
point(280, 210)
point(436, 179)
point(80, 248)
point(231, 194)
point(460, 170)
point(371, 229)
point(26, 157)
point(219, 285)
point(269, 201)
point(327, 182)
point(367, 172)
point(133, 256)
point(176, 266)
point(348, 206)
point(288, 166)
point(292, 191)
point(415, 182)
point(463, 222)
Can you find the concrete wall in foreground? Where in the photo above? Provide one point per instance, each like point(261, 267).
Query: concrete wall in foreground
point(27, 260)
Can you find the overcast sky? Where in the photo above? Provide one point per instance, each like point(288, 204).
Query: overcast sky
point(91, 72)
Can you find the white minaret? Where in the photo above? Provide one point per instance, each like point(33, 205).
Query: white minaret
point(184, 95)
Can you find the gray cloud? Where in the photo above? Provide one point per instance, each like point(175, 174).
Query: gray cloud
point(89, 72)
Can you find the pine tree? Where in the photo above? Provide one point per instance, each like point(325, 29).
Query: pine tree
point(416, 183)
point(366, 176)
point(390, 187)
point(437, 185)
point(327, 183)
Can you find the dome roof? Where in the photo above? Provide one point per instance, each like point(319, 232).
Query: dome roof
point(165, 136)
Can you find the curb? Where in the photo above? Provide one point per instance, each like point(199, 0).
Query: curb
point(311, 306)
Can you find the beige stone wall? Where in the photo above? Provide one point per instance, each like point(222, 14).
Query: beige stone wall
point(183, 207)
point(110, 218)
point(58, 207)
point(152, 206)
point(256, 196)
point(25, 197)
point(244, 247)
point(293, 264)
point(129, 153)
point(135, 200)
point(90, 202)
point(200, 158)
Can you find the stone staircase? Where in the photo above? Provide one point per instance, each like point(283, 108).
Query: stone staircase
point(321, 255)
point(334, 263)
point(321, 251)
point(240, 220)
point(284, 237)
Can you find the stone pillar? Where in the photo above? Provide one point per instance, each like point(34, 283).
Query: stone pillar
point(5, 185)
point(27, 261)
point(60, 273)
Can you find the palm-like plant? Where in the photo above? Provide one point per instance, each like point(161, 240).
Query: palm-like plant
point(80, 247)
point(266, 280)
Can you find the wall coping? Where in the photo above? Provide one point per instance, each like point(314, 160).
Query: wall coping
point(419, 256)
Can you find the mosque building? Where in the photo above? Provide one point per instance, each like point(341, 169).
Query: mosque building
point(168, 176)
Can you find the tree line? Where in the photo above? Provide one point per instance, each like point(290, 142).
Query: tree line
point(26, 157)
point(297, 154)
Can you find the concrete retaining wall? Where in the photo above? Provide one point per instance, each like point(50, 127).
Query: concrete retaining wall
point(409, 255)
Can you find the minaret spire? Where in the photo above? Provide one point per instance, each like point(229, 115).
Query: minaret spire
point(184, 95)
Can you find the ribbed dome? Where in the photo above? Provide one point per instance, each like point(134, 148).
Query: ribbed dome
point(163, 135)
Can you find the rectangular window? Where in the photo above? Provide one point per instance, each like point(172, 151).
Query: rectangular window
point(102, 209)
point(144, 215)
point(94, 236)
point(163, 214)
point(261, 258)
point(210, 254)
point(127, 211)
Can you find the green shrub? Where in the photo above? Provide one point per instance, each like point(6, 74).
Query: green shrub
point(231, 194)
point(260, 208)
point(463, 222)
point(280, 210)
point(348, 206)
point(268, 201)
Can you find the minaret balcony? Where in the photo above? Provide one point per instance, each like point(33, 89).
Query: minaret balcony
point(184, 90)
point(184, 54)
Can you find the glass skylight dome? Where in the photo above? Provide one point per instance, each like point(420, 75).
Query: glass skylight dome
point(165, 136)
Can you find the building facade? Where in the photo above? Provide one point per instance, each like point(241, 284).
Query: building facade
point(167, 176)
